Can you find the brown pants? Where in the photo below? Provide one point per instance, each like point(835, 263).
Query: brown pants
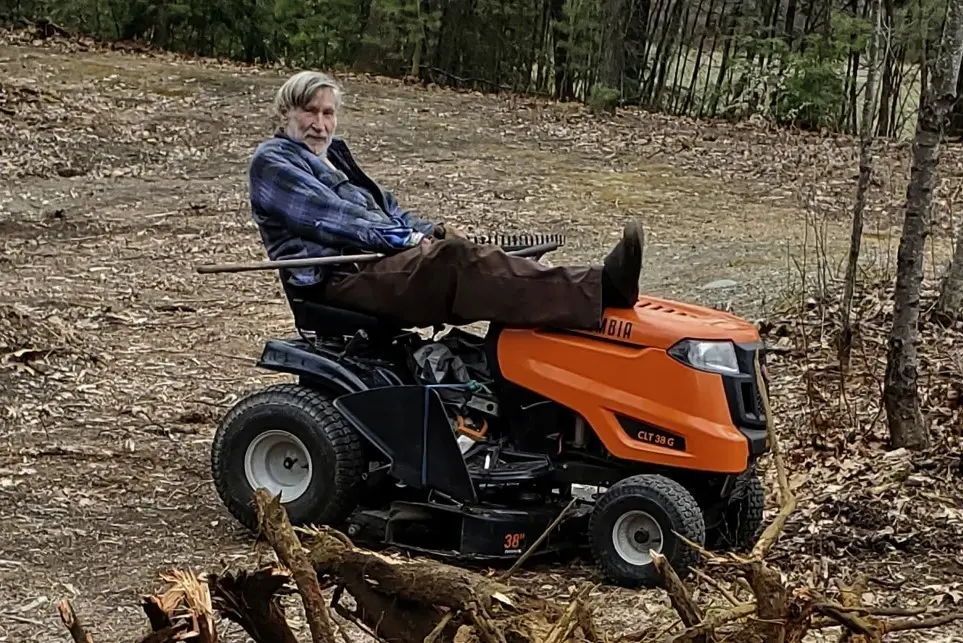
point(458, 282)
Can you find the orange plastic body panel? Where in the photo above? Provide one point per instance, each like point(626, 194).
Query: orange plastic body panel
point(633, 375)
point(660, 323)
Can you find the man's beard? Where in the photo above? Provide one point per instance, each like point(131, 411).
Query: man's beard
point(302, 135)
point(323, 149)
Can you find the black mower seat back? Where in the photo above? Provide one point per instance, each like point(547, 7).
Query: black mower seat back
point(329, 321)
point(332, 321)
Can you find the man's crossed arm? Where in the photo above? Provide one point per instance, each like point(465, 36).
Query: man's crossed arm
point(315, 211)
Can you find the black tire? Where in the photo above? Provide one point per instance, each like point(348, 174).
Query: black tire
point(672, 508)
point(337, 458)
point(741, 521)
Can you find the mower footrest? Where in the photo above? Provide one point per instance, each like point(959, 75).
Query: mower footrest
point(488, 467)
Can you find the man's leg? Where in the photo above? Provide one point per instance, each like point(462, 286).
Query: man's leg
point(458, 282)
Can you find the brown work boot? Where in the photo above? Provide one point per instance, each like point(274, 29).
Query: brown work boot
point(622, 267)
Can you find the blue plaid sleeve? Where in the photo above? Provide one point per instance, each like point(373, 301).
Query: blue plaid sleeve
point(395, 210)
point(283, 189)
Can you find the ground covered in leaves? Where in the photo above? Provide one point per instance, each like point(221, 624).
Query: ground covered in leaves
point(120, 170)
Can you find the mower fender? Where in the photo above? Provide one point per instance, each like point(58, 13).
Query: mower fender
point(409, 425)
point(288, 356)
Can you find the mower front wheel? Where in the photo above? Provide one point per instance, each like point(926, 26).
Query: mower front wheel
point(741, 521)
point(639, 514)
point(290, 440)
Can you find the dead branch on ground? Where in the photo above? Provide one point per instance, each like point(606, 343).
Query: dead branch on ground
point(275, 526)
point(397, 601)
point(251, 599)
point(404, 600)
point(780, 613)
point(72, 623)
point(413, 601)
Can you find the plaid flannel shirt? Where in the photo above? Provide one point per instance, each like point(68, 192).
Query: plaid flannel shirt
point(305, 208)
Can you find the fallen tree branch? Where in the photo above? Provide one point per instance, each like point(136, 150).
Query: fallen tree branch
point(852, 597)
point(185, 607)
point(274, 525)
point(69, 618)
point(714, 621)
point(407, 600)
point(426, 582)
point(486, 631)
point(538, 541)
point(351, 617)
point(251, 599)
point(680, 597)
point(439, 628)
point(787, 497)
point(878, 611)
point(852, 622)
point(166, 635)
point(903, 624)
point(729, 596)
point(865, 621)
point(387, 618)
point(563, 627)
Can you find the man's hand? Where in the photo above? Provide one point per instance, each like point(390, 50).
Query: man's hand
point(452, 231)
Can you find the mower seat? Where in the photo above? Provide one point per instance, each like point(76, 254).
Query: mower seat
point(332, 321)
point(329, 321)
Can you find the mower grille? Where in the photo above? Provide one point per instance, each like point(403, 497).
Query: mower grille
point(752, 401)
point(760, 405)
point(745, 399)
point(755, 409)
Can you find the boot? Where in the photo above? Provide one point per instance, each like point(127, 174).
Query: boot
point(622, 268)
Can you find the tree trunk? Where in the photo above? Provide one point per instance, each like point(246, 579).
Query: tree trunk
point(564, 89)
point(865, 173)
point(789, 31)
point(901, 395)
point(690, 95)
point(951, 290)
point(419, 35)
point(612, 58)
point(663, 51)
point(884, 126)
point(731, 32)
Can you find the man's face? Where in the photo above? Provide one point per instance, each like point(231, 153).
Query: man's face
point(314, 125)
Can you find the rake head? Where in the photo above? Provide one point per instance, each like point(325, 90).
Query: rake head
point(510, 242)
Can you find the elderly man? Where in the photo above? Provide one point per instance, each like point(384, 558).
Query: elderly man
point(310, 198)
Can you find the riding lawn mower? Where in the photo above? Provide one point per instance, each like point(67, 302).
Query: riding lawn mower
point(468, 447)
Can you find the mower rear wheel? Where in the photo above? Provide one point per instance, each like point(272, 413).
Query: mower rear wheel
point(640, 513)
point(290, 440)
point(741, 520)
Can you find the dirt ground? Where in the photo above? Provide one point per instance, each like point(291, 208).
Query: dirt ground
point(119, 172)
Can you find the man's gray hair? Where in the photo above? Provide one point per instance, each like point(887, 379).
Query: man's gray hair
point(299, 89)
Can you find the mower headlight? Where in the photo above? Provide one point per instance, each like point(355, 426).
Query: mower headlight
point(712, 356)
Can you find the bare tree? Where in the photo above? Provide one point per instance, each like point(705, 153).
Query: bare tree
point(900, 394)
point(862, 186)
point(612, 55)
point(948, 304)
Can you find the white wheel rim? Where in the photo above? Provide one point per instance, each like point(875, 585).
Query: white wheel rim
point(634, 534)
point(279, 462)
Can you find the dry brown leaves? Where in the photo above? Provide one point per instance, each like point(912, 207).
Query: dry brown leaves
point(895, 514)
